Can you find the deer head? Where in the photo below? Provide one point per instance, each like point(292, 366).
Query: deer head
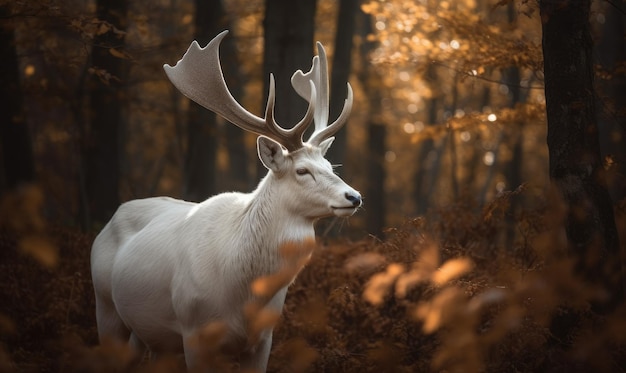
point(198, 75)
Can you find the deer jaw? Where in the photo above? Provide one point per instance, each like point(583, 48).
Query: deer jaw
point(306, 182)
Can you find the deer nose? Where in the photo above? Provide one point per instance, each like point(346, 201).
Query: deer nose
point(354, 198)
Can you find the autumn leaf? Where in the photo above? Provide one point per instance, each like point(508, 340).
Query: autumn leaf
point(410, 279)
point(439, 310)
point(378, 286)
point(103, 28)
point(452, 269)
point(41, 249)
point(364, 262)
point(119, 54)
point(259, 320)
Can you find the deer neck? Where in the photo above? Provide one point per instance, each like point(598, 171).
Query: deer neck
point(270, 217)
point(270, 225)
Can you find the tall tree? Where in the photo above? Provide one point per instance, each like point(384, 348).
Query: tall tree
point(102, 147)
point(288, 46)
point(342, 66)
point(15, 142)
point(610, 56)
point(426, 173)
point(513, 168)
point(341, 69)
point(376, 135)
point(574, 152)
point(202, 130)
point(235, 137)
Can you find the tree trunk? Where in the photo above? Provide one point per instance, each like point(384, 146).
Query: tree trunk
point(342, 66)
point(610, 54)
point(454, 181)
point(376, 135)
point(17, 155)
point(202, 130)
point(513, 168)
point(575, 165)
point(289, 27)
point(235, 137)
point(102, 145)
point(425, 174)
point(200, 162)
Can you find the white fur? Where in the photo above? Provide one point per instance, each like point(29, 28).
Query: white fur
point(162, 268)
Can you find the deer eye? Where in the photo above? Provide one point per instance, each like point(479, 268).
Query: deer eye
point(302, 171)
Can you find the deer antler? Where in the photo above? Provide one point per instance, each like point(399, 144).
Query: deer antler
point(198, 75)
point(318, 76)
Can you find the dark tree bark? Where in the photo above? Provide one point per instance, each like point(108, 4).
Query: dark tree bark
point(512, 78)
point(102, 144)
point(513, 169)
point(202, 133)
point(341, 69)
point(237, 155)
point(610, 55)
point(15, 142)
point(376, 136)
point(376, 175)
point(342, 66)
point(426, 172)
point(235, 136)
point(289, 27)
point(575, 165)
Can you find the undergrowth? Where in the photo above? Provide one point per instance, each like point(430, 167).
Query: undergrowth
point(463, 289)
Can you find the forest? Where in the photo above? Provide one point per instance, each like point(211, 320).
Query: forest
point(487, 138)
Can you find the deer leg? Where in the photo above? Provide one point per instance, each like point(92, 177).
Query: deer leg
point(256, 360)
point(110, 325)
point(139, 347)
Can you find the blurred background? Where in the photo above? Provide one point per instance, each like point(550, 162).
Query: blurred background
point(458, 260)
point(449, 101)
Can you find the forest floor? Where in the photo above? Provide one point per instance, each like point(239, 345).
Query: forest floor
point(450, 292)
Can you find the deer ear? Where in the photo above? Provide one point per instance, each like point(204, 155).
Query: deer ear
point(271, 153)
point(325, 145)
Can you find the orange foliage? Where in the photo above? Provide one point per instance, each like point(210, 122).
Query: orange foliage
point(21, 211)
point(455, 291)
point(440, 293)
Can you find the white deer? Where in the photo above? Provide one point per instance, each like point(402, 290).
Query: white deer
point(163, 268)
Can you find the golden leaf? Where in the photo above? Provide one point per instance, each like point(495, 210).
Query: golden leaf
point(259, 319)
point(268, 286)
point(429, 257)
point(210, 336)
point(452, 269)
point(103, 28)
point(41, 249)
point(266, 319)
point(294, 255)
point(408, 280)
point(378, 286)
point(119, 54)
point(364, 262)
point(439, 310)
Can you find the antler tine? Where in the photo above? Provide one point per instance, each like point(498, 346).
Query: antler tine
point(289, 138)
point(198, 75)
point(330, 130)
point(318, 75)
